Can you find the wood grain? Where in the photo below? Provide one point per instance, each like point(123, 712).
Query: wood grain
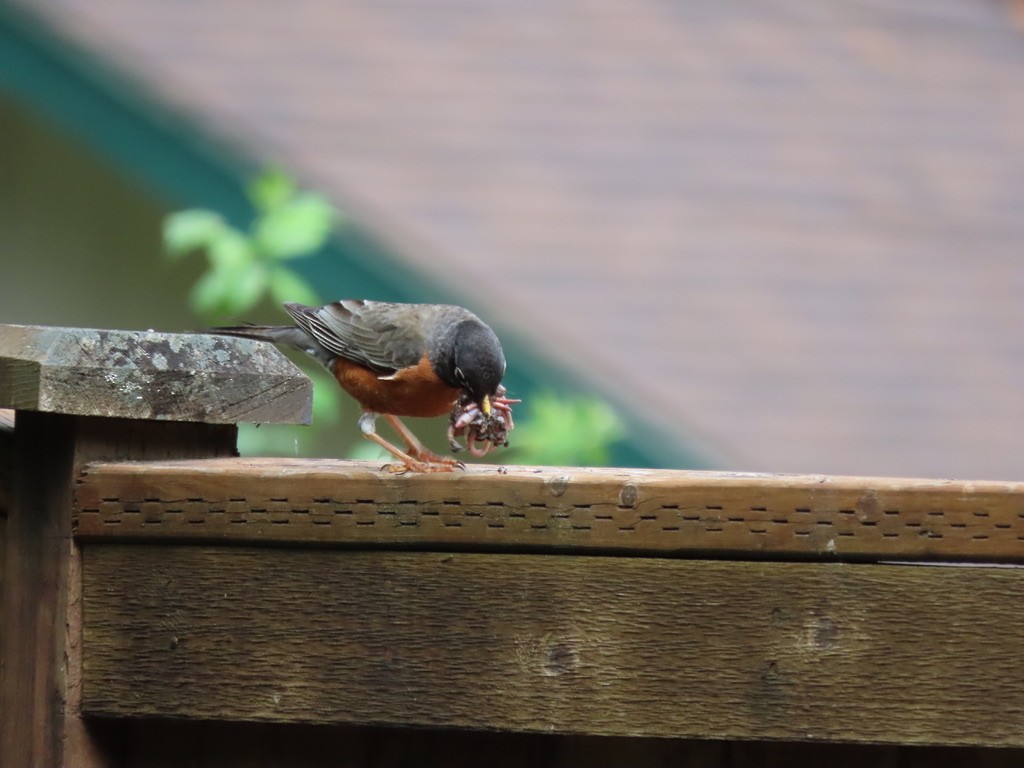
point(149, 375)
point(6, 480)
point(40, 635)
point(542, 643)
point(530, 508)
point(34, 600)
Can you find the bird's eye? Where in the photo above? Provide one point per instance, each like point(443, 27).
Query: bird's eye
point(460, 375)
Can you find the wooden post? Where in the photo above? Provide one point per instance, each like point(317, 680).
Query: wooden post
point(83, 395)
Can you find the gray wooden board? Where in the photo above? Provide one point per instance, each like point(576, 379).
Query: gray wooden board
point(556, 643)
point(149, 375)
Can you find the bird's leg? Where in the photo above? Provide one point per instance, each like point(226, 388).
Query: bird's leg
point(367, 424)
point(415, 448)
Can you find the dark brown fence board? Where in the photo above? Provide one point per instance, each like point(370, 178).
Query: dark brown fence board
point(538, 643)
point(639, 511)
point(40, 606)
point(204, 744)
point(37, 535)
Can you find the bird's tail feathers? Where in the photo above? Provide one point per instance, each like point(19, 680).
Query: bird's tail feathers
point(288, 335)
point(277, 334)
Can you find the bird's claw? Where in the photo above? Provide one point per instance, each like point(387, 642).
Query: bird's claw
point(402, 467)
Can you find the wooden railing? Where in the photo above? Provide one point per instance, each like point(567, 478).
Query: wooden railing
point(153, 582)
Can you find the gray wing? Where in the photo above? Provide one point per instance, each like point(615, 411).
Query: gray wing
point(382, 336)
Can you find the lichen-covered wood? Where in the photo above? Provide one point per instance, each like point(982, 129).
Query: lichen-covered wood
point(556, 643)
point(634, 511)
point(149, 375)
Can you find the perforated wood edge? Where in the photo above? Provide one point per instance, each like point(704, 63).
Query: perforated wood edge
point(636, 511)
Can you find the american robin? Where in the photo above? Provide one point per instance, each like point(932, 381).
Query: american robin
point(399, 360)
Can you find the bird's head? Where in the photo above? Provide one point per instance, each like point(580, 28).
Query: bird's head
point(477, 363)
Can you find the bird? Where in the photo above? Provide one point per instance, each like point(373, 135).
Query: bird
point(397, 359)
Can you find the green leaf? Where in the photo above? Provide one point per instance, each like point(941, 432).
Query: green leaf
point(187, 231)
point(298, 228)
point(288, 285)
point(249, 288)
point(208, 295)
point(271, 190)
point(230, 250)
point(229, 290)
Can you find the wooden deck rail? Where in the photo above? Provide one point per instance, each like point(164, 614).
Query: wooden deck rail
point(644, 513)
point(261, 594)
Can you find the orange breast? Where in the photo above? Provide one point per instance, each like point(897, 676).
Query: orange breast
point(413, 391)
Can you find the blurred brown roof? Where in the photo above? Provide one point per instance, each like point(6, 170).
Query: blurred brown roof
point(795, 228)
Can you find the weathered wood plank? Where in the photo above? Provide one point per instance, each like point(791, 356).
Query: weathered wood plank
point(6, 480)
point(6, 473)
point(40, 606)
point(148, 375)
point(34, 599)
point(637, 511)
point(599, 645)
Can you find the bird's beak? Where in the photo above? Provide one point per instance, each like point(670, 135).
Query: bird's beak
point(485, 405)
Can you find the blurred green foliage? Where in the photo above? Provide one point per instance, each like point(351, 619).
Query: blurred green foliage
point(245, 268)
point(575, 432)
